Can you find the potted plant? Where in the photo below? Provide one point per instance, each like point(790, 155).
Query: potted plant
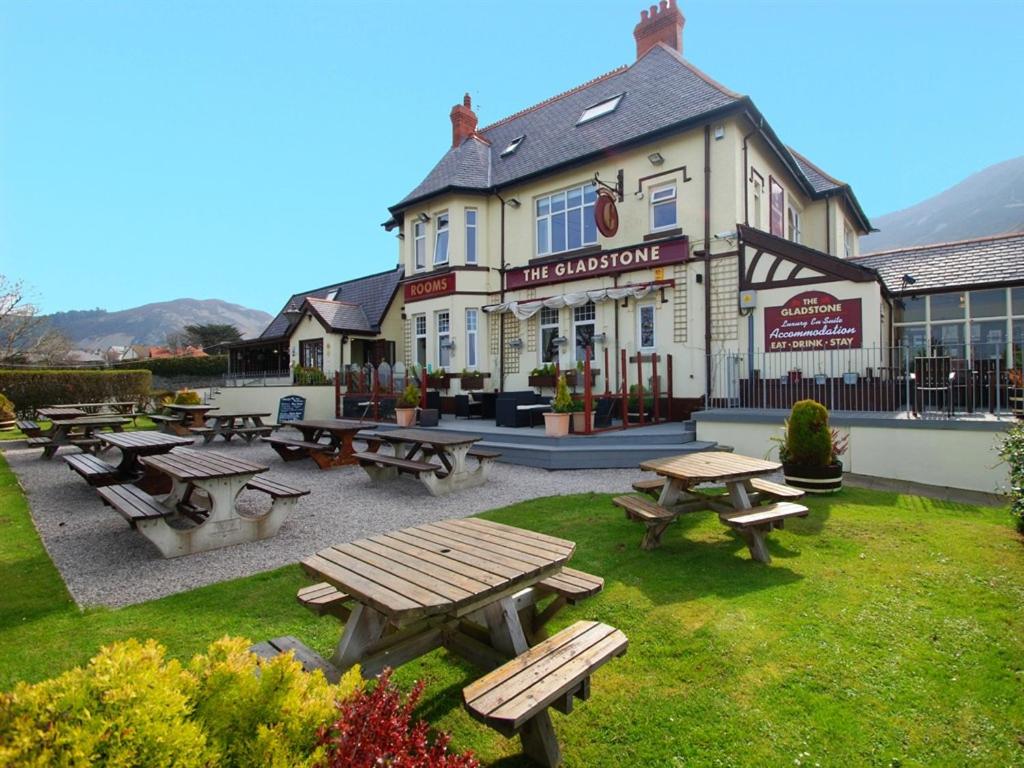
point(472, 379)
point(556, 423)
point(408, 401)
point(633, 403)
point(810, 449)
point(438, 379)
point(7, 416)
point(544, 376)
point(579, 418)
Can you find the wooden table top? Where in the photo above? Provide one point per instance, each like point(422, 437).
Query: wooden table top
point(710, 466)
point(147, 439)
point(333, 425)
point(57, 413)
point(190, 408)
point(93, 420)
point(187, 464)
point(434, 437)
point(110, 403)
point(238, 415)
point(451, 567)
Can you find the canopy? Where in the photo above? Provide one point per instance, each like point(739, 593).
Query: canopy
point(527, 309)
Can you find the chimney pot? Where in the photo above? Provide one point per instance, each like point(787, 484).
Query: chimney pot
point(662, 23)
point(463, 121)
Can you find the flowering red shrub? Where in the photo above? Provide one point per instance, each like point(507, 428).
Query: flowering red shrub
point(375, 729)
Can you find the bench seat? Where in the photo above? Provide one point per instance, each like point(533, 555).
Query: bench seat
point(407, 466)
point(36, 441)
point(764, 516)
point(573, 585)
point(200, 430)
point(306, 656)
point(94, 471)
point(514, 697)
point(159, 417)
point(133, 503)
point(481, 453)
point(775, 490)
point(323, 599)
point(641, 509)
point(274, 488)
point(651, 487)
point(290, 443)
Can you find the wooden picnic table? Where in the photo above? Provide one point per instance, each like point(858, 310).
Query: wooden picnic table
point(122, 407)
point(337, 451)
point(183, 418)
point(414, 450)
point(60, 413)
point(244, 424)
point(77, 431)
point(133, 446)
point(740, 475)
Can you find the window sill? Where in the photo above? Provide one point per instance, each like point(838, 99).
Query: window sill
point(663, 234)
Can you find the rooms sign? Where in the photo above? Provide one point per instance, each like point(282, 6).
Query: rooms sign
point(429, 287)
point(813, 320)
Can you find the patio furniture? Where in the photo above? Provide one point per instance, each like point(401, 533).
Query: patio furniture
point(77, 431)
point(246, 425)
point(183, 418)
point(468, 407)
point(519, 409)
point(337, 451)
point(132, 445)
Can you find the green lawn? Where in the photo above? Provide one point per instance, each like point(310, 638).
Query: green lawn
point(888, 631)
point(141, 422)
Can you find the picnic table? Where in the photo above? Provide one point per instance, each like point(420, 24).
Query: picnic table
point(337, 451)
point(199, 513)
point(78, 431)
point(183, 418)
point(740, 509)
point(120, 407)
point(245, 424)
point(132, 445)
point(413, 450)
point(60, 413)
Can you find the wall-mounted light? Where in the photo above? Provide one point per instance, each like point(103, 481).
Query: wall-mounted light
point(600, 338)
point(656, 158)
point(515, 343)
point(639, 194)
point(513, 202)
point(424, 217)
point(447, 344)
point(291, 313)
point(560, 340)
point(400, 235)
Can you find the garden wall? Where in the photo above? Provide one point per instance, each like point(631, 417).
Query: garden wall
point(319, 399)
point(948, 454)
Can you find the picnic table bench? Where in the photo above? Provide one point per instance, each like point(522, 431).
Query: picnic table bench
point(132, 446)
point(78, 431)
point(246, 425)
point(182, 419)
point(328, 442)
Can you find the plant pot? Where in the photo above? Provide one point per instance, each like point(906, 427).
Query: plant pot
point(472, 382)
point(556, 424)
point(814, 479)
point(579, 422)
point(405, 417)
point(542, 381)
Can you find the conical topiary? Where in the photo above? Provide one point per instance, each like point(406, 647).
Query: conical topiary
point(808, 437)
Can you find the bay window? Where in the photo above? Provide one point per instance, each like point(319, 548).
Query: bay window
point(441, 239)
point(419, 244)
point(444, 340)
point(471, 235)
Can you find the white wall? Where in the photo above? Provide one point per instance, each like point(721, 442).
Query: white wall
point(319, 400)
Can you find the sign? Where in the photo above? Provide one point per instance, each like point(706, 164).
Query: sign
point(606, 215)
point(291, 408)
point(815, 321)
point(630, 259)
point(429, 287)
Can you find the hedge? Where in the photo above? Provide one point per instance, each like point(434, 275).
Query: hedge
point(170, 367)
point(32, 389)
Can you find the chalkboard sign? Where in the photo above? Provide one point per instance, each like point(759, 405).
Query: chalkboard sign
point(291, 408)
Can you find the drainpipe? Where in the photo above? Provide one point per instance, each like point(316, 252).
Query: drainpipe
point(828, 227)
point(707, 266)
point(501, 315)
point(746, 175)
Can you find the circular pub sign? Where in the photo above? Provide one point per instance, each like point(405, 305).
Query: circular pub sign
point(606, 214)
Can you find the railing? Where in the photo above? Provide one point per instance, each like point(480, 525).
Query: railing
point(276, 378)
point(868, 380)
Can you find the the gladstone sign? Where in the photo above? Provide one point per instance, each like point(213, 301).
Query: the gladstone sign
point(813, 321)
point(648, 256)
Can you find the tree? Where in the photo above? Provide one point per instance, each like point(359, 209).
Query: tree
point(211, 335)
point(20, 321)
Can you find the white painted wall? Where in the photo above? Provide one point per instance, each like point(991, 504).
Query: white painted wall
point(319, 400)
point(942, 455)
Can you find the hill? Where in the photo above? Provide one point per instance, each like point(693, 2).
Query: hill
point(989, 202)
point(150, 323)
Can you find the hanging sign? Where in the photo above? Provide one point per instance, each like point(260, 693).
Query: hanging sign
point(429, 287)
point(813, 320)
point(606, 215)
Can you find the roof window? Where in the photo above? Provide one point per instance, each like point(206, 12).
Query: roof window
point(512, 146)
point(600, 109)
point(332, 295)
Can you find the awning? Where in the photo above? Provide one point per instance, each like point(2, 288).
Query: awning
point(527, 309)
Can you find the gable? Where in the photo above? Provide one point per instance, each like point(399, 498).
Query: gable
point(769, 262)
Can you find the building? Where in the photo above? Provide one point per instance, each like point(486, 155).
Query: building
point(630, 214)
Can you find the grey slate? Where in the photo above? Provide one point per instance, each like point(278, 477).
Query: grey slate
point(340, 315)
point(985, 261)
point(818, 179)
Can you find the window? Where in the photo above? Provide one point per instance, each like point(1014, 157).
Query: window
point(990, 303)
point(565, 220)
point(583, 328)
point(419, 239)
point(420, 330)
point(663, 207)
point(777, 201)
point(512, 146)
point(311, 353)
point(332, 295)
point(848, 241)
point(441, 241)
point(758, 194)
point(471, 235)
point(548, 334)
point(947, 306)
point(793, 223)
point(444, 340)
point(471, 330)
point(599, 109)
point(645, 329)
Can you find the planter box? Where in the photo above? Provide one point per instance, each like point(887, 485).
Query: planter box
point(440, 382)
point(814, 479)
point(571, 377)
point(474, 381)
point(543, 381)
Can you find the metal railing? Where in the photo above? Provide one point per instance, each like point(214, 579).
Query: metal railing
point(868, 380)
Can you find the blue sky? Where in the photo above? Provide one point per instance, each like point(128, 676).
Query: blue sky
point(248, 150)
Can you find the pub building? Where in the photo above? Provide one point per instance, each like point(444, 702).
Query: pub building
point(634, 212)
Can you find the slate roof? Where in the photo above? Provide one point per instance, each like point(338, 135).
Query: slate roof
point(818, 179)
point(986, 261)
point(340, 315)
point(371, 295)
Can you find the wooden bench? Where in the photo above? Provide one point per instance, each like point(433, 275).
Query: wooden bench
point(514, 697)
point(35, 442)
point(654, 517)
point(324, 599)
point(283, 496)
point(405, 466)
point(94, 471)
point(134, 504)
point(306, 656)
point(293, 450)
point(755, 522)
point(767, 488)
point(30, 428)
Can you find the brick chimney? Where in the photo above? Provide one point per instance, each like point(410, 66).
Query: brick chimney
point(463, 121)
point(662, 24)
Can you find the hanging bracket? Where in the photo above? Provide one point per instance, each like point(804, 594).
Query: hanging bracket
point(620, 186)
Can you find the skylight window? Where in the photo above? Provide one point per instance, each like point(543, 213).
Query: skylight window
point(600, 109)
point(512, 146)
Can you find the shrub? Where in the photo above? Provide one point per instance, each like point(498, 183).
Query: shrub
point(172, 367)
point(6, 409)
point(187, 397)
point(375, 729)
point(33, 389)
point(1011, 450)
point(301, 375)
point(130, 706)
point(410, 396)
point(563, 400)
point(808, 440)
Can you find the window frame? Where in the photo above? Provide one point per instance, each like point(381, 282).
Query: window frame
point(794, 215)
point(848, 242)
point(440, 229)
point(757, 184)
point(471, 241)
point(600, 109)
point(640, 309)
point(443, 351)
point(577, 324)
point(418, 336)
point(776, 208)
point(672, 201)
point(472, 333)
point(316, 347)
point(586, 214)
point(419, 245)
point(542, 347)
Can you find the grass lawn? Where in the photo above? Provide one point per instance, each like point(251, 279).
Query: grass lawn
point(888, 631)
point(141, 422)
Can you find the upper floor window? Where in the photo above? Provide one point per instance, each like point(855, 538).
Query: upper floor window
point(777, 203)
point(419, 244)
point(663, 207)
point(471, 235)
point(565, 220)
point(441, 240)
point(793, 224)
point(512, 146)
point(847, 241)
point(758, 187)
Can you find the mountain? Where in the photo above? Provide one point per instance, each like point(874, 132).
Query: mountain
point(150, 323)
point(989, 202)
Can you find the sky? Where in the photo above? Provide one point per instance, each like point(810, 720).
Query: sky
point(247, 150)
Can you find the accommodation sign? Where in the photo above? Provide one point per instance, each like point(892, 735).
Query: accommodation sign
point(631, 259)
point(429, 287)
point(813, 320)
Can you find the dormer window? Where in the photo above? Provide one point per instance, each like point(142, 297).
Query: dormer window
point(512, 146)
point(332, 295)
point(600, 109)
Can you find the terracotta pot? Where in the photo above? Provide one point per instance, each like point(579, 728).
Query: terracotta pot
point(556, 424)
point(405, 417)
point(814, 479)
point(579, 422)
